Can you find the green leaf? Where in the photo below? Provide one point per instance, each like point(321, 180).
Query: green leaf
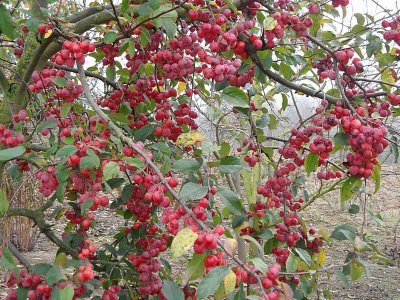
point(66, 293)
point(231, 201)
point(124, 5)
point(182, 242)
point(250, 181)
point(4, 204)
point(360, 18)
point(230, 164)
point(311, 162)
point(7, 261)
point(196, 268)
point(225, 149)
point(167, 20)
point(341, 139)
point(118, 117)
point(86, 205)
point(143, 133)
point(344, 232)
point(66, 151)
point(88, 162)
point(110, 37)
point(211, 281)
point(254, 242)
point(7, 24)
point(265, 58)
point(192, 191)
point(11, 153)
point(291, 263)
point(354, 209)
point(110, 169)
point(60, 82)
point(53, 275)
point(171, 291)
point(65, 109)
point(304, 255)
point(356, 270)
point(231, 6)
point(235, 97)
point(260, 265)
point(374, 45)
point(376, 177)
point(342, 277)
point(186, 165)
point(286, 71)
point(349, 188)
point(127, 192)
point(144, 37)
point(41, 268)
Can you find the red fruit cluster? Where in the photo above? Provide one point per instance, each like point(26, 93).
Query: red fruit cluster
point(72, 52)
point(21, 116)
point(173, 64)
point(394, 99)
point(48, 180)
point(337, 3)
point(367, 143)
point(283, 18)
point(110, 53)
point(88, 251)
point(44, 81)
point(272, 276)
point(328, 175)
point(301, 25)
point(214, 260)
point(85, 273)
point(283, 4)
point(44, 28)
point(18, 50)
point(9, 139)
point(207, 241)
point(34, 283)
point(111, 293)
point(147, 264)
point(321, 146)
point(344, 57)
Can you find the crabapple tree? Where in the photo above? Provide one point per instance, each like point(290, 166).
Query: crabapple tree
point(167, 114)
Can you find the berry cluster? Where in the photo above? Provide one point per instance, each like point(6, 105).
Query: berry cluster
point(9, 139)
point(72, 52)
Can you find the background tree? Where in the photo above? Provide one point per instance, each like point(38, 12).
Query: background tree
point(159, 110)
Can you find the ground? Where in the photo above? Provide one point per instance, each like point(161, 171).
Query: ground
point(381, 281)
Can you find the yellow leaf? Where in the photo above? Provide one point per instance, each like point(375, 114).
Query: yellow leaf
point(231, 245)
point(321, 257)
point(286, 292)
point(181, 87)
point(243, 225)
point(389, 75)
point(226, 287)
point(324, 21)
point(60, 260)
point(48, 33)
point(229, 283)
point(182, 242)
point(190, 138)
point(270, 23)
point(393, 51)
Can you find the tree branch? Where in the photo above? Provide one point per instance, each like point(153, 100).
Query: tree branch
point(38, 217)
point(4, 84)
point(16, 253)
point(89, 74)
